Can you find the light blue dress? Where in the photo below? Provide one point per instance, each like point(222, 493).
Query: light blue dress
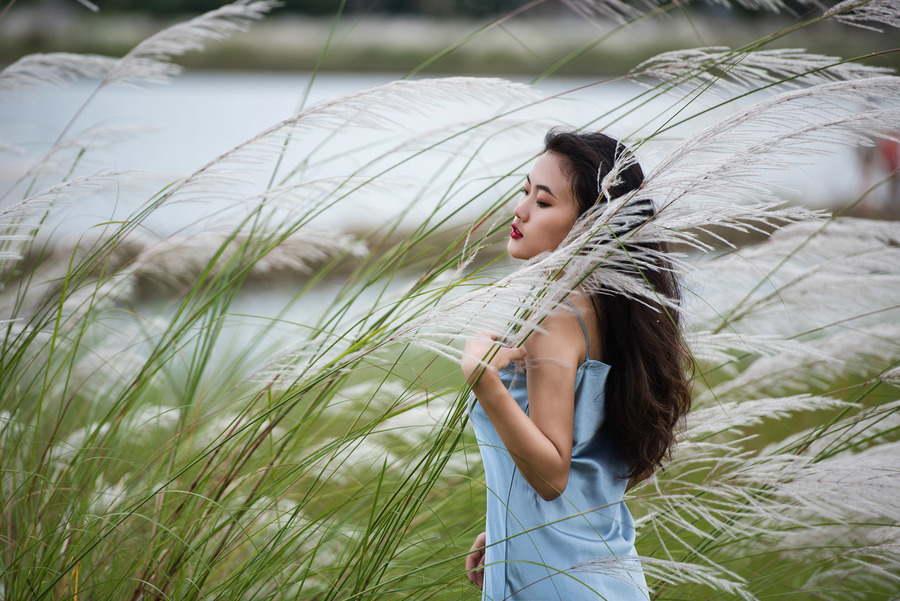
point(581, 544)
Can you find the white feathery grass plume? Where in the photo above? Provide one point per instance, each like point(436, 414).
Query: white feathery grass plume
point(723, 347)
point(105, 497)
point(149, 61)
point(864, 14)
point(377, 108)
point(105, 370)
point(349, 457)
point(279, 514)
point(891, 376)
point(80, 297)
point(870, 564)
point(92, 296)
point(716, 578)
point(866, 349)
point(513, 307)
point(806, 489)
point(456, 138)
point(799, 262)
point(739, 148)
point(852, 539)
point(684, 71)
point(12, 149)
point(848, 484)
point(303, 253)
point(493, 309)
point(57, 162)
point(180, 258)
point(591, 258)
point(622, 162)
point(621, 13)
point(725, 165)
point(735, 415)
point(294, 203)
point(790, 504)
point(19, 222)
point(53, 69)
point(89, 5)
point(134, 426)
point(325, 352)
point(856, 429)
point(775, 6)
point(614, 10)
point(620, 568)
point(740, 489)
point(813, 243)
point(94, 138)
point(9, 427)
point(862, 352)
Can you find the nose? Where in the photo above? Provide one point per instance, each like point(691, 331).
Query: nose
point(520, 211)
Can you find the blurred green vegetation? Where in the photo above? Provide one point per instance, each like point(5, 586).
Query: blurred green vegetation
point(471, 8)
point(402, 36)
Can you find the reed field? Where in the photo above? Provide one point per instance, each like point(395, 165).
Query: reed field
point(171, 428)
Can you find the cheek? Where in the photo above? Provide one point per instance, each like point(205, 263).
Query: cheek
point(562, 230)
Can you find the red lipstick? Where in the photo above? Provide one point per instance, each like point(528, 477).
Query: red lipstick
point(515, 234)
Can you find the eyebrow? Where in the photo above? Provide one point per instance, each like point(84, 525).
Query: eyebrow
point(541, 187)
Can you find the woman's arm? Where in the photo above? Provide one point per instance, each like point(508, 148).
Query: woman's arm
point(540, 443)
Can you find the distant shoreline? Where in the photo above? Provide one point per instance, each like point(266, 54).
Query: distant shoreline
point(522, 47)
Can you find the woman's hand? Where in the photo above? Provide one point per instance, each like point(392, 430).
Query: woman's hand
point(475, 562)
point(480, 349)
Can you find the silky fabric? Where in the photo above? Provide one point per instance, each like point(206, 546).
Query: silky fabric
point(577, 546)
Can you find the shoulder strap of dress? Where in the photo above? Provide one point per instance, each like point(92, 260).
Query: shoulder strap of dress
point(583, 329)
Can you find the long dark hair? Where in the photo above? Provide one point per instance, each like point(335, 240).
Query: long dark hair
point(649, 386)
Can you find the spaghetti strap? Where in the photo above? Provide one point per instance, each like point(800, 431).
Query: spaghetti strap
point(583, 329)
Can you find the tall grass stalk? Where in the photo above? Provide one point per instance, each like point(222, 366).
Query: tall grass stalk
point(160, 438)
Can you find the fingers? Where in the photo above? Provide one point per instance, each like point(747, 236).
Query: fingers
point(475, 567)
point(506, 353)
point(480, 355)
point(475, 562)
point(479, 574)
point(478, 545)
point(517, 354)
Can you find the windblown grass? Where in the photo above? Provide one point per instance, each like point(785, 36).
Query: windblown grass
point(179, 450)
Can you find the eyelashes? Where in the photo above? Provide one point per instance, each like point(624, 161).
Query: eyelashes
point(540, 203)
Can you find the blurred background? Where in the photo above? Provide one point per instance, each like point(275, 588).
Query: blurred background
point(400, 35)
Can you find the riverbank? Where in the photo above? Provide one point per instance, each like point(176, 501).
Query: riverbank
point(528, 47)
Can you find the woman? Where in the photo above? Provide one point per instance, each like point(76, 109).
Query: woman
point(603, 388)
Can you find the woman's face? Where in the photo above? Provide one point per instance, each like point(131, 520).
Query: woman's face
point(546, 211)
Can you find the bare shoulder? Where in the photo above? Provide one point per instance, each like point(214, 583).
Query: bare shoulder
point(561, 338)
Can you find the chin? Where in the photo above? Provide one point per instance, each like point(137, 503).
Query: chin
point(514, 252)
